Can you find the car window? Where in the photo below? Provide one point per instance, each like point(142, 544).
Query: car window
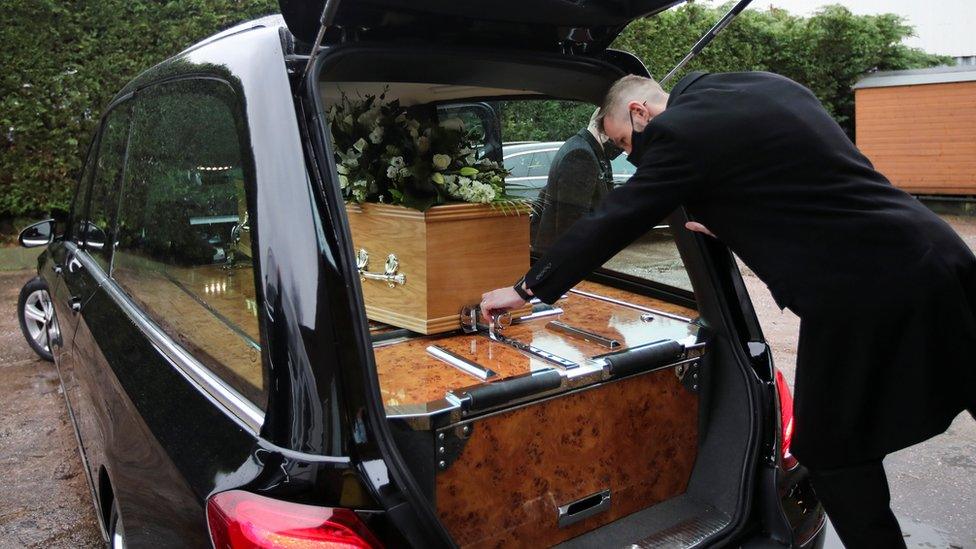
point(518, 164)
point(184, 234)
point(538, 165)
point(95, 229)
point(653, 257)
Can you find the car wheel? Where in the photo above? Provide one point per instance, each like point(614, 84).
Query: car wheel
point(116, 532)
point(36, 313)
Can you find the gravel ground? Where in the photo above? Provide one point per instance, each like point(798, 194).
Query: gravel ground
point(45, 500)
point(44, 495)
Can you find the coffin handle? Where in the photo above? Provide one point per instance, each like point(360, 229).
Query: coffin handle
point(390, 275)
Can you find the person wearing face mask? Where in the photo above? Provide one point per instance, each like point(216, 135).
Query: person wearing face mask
point(579, 177)
point(885, 289)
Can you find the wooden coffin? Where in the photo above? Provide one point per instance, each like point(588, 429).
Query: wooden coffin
point(446, 257)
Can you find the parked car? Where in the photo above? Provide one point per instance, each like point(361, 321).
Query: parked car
point(529, 163)
point(228, 389)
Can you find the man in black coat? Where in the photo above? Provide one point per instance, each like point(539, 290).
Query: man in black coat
point(885, 290)
point(579, 178)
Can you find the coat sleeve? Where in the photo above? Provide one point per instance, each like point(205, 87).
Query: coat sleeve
point(666, 177)
point(568, 195)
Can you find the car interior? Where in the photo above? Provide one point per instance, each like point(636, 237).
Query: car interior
point(619, 414)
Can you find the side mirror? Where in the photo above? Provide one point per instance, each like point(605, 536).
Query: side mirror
point(38, 234)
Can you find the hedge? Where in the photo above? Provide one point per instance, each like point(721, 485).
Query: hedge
point(66, 59)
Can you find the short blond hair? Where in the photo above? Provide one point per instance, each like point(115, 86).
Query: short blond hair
point(625, 90)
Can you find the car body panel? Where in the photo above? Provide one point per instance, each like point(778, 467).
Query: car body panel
point(534, 24)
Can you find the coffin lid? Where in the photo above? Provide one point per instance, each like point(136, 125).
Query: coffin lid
point(580, 26)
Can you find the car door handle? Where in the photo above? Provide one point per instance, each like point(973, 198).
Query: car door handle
point(75, 304)
point(58, 269)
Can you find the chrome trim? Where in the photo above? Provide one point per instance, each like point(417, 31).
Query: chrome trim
point(534, 351)
point(631, 305)
point(579, 333)
point(537, 315)
point(246, 413)
point(461, 363)
point(602, 502)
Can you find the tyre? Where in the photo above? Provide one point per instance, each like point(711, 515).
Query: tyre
point(36, 313)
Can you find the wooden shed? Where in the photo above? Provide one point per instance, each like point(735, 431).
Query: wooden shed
point(918, 127)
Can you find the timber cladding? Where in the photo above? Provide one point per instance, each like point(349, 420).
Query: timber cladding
point(921, 137)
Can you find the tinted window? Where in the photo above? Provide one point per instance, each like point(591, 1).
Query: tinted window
point(184, 236)
point(95, 229)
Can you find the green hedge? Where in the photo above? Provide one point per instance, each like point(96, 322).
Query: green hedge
point(64, 60)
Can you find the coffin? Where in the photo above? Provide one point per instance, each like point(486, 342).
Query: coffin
point(419, 268)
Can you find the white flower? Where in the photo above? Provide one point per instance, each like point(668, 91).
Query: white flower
point(441, 161)
point(391, 172)
point(359, 145)
point(376, 135)
point(453, 123)
point(397, 162)
point(437, 178)
point(343, 182)
point(405, 172)
point(347, 120)
point(342, 169)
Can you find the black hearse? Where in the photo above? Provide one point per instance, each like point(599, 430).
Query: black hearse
point(227, 387)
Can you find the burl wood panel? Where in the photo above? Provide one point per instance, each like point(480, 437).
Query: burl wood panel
point(923, 138)
point(408, 374)
point(637, 436)
point(449, 254)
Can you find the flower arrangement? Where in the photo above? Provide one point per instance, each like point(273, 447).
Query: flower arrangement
point(384, 155)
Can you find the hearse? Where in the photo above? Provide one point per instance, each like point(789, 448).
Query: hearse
point(204, 305)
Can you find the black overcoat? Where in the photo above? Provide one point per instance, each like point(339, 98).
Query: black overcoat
point(579, 178)
point(885, 289)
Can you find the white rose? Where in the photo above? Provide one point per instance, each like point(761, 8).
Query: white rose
point(376, 135)
point(343, 182)
point(441, 161)
point(359, 145)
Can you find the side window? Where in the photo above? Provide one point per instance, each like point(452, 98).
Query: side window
point(518, 165)
point(539, 164)
point(79, 204)
point(95, 229)
point(184, 234)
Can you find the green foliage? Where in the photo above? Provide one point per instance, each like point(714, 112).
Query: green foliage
point(827, 52)
point(64, 61)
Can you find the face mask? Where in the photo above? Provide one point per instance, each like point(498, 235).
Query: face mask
point(637, 141)
point(612, 151)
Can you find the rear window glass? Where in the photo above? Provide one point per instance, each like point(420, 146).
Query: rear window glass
point(184, 238)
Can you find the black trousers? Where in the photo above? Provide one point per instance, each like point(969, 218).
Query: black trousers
point(858, 504)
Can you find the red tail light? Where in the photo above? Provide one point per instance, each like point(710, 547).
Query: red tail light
point(241, 519)
point(786, 420)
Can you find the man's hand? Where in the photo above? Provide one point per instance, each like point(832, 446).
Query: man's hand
point(499, 301)
point(699, 228)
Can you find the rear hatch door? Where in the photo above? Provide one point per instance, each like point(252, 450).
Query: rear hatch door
point(579, 26)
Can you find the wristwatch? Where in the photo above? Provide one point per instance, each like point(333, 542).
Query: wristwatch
point(521, 291)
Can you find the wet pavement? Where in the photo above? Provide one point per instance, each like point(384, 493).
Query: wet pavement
point(45, 500)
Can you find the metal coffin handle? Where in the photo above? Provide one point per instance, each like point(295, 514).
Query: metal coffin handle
point(584, 508)
point(390, 275)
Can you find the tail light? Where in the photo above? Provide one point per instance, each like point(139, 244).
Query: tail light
point(786, 420)
point(239, 519)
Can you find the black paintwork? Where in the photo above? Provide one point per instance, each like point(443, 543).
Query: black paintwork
point(158, 443)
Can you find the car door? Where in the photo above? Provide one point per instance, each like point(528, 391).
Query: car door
point(88, 263)
point(170, 348)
